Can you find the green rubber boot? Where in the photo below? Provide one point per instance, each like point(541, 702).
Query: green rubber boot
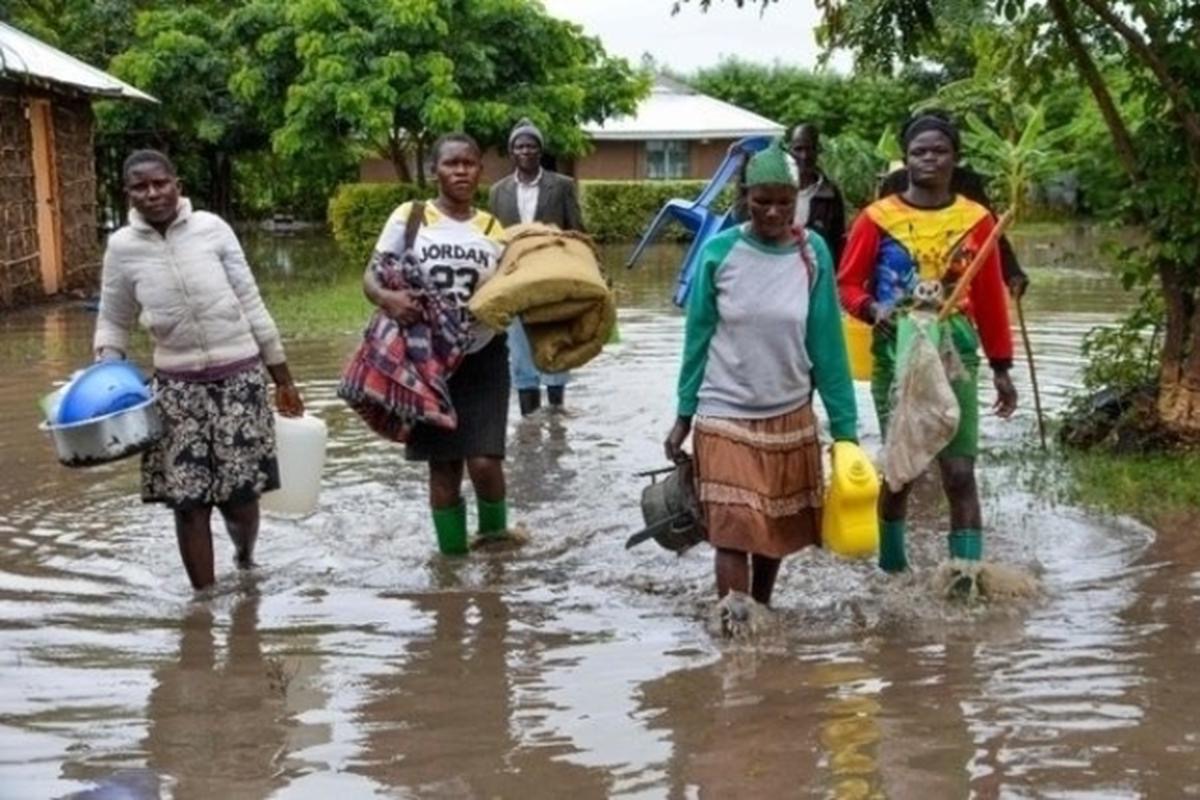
point(451, 527)
point(891, 546)
point(966, 544)
point(493, 518)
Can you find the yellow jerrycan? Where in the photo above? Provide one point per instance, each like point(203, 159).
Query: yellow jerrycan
point(850, 526)
point(858, 347)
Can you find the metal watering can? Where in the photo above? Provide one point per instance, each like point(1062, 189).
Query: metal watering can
point(670, 509)
point(698, 216)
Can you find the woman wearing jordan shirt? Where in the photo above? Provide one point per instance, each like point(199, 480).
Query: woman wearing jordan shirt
point(457, 248)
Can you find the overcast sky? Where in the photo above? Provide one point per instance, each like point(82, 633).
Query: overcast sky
point(692, 39)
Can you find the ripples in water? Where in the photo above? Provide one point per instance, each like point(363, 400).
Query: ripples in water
point(359, 662)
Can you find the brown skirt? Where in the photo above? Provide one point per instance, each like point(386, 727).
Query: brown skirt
point(760, 483)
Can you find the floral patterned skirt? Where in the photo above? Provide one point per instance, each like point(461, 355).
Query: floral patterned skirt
point(218, 443)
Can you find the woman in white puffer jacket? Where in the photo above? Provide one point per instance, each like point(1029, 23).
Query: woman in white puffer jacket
point(182, 274)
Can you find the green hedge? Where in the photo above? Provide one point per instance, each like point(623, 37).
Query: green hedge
point(357, 212)
point(615, 211)
point(618, 211)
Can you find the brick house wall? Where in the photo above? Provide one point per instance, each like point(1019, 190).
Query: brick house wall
point(608, 161)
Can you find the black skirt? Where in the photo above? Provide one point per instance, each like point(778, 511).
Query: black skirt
point(479, 389)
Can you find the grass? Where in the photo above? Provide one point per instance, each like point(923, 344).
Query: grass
point(1145, 486)
point(1150, 488)
point(317, 311)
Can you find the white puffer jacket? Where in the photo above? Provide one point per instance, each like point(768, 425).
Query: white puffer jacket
point(198, 298)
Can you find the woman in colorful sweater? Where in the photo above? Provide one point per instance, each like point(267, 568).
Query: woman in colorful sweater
point(928, 233)
point(763, 331)
point(457, 250)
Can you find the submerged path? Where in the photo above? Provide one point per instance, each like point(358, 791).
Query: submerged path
point(356, 662)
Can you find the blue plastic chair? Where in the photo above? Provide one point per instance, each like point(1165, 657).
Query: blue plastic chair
point(697, 216)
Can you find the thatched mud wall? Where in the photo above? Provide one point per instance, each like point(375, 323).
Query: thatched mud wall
point(75, 172)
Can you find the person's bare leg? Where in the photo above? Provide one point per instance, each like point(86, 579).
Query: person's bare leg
point(242, 521)
point(194, 534)
point(966, 516)
point(962, 492)
point(445, 483)
point(487, 476)
point(733, 572)
point(763, 571)
point(893, 511)
point(893, 506)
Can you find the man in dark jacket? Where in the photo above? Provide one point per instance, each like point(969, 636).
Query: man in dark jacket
point(819, 203)
point(533, 194)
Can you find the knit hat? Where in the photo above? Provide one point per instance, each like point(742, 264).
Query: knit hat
point(525, 128)
point(773, 164)
point(931, 122)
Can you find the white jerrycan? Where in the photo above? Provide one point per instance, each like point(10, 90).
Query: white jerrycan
point(300, 450)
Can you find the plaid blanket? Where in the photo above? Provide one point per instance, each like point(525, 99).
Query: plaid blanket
point(399, 375)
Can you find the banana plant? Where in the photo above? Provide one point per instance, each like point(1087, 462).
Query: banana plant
point(888, 148)
point(1017, 163)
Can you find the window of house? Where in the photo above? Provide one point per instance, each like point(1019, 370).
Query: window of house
point(666, 159)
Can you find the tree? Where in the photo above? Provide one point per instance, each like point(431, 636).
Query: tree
point(184, 58)
point(91, 30)
point(269, 103)
point(1159, 154)
point(389, 77)
point(861, 106)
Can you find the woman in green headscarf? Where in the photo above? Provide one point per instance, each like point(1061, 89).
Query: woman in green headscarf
point(763, 331)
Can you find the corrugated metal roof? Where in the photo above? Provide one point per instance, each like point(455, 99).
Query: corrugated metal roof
point(674, 111)
point(25, 58)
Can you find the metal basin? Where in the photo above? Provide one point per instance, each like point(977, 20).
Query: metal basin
point(108, 438)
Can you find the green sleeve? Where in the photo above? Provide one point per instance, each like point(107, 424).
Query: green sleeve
point(701, 321)
point(826, 345)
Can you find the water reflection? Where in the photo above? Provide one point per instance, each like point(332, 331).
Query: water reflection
point(924, 748)
point(536, 457)
point(755, 725)
point(217, 725)
point(441, 724)
point(850, 732)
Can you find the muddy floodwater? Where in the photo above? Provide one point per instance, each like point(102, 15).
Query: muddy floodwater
point(356, 662)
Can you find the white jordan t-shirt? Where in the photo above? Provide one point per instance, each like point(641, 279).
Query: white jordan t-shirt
point(454, 256)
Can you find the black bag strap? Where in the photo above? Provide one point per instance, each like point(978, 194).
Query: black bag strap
point(416, 216)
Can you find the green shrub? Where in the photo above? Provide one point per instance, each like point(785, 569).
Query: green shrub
point(357, 212)
point(855, 166)
point(615, 211)
point(619, 211)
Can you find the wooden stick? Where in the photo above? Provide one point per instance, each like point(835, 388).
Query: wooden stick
point(960, 289)
point(1037, 394)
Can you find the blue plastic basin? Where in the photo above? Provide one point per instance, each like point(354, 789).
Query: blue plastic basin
point(104, 388)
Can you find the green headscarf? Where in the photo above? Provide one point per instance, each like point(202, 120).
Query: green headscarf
point(772, 165)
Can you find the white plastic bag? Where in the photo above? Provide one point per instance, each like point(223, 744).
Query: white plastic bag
point(925, 412)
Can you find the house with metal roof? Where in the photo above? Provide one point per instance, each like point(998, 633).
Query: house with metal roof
point(48, 225)
point(675, 133)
